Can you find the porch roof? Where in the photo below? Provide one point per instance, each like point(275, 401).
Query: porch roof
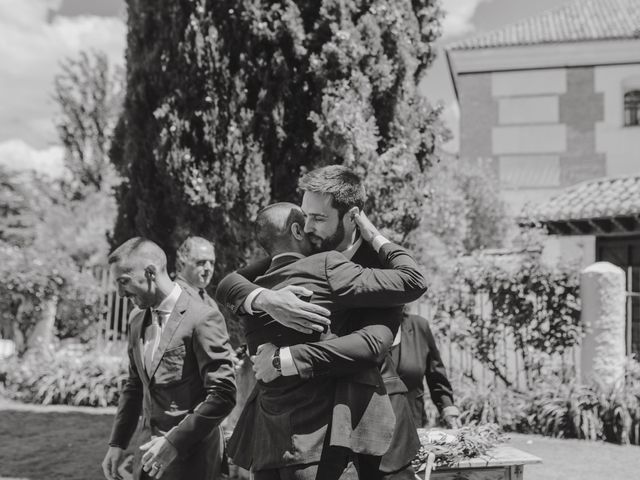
point(604, 206)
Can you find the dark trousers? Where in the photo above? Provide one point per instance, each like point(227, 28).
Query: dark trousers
point(337, 463)
point(369, 469)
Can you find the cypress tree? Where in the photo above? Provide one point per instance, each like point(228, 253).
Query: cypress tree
point(229, 101)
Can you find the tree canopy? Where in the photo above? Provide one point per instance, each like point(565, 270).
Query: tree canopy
point(228, 102)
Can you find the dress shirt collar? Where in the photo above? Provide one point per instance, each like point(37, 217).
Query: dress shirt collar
point(287, 254)
point(169, 303)
point(396, 341)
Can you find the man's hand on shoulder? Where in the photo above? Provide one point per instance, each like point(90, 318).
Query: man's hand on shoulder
point(368, 231)
point(285, 307)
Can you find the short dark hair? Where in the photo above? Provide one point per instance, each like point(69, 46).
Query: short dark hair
point(345, 187)
point(273, 224)
point(183, 254)
point(144, 247)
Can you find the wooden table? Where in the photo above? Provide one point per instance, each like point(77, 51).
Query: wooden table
point(501, 463)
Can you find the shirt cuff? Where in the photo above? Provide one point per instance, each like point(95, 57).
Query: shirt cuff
point(450, 411)
point(249, 300)
point(287, 365)
point(378, 242)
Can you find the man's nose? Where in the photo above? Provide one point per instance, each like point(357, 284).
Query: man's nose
point(308, 227)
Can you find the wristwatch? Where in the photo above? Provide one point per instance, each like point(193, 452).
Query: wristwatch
point(275, 361)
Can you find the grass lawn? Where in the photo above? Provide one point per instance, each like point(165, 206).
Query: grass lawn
point(70, 444)
point(53, 444)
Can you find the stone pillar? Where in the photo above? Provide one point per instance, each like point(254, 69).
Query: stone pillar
point(603, 296)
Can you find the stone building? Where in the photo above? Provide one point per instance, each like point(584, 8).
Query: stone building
point(551, 105)
point(552, 100)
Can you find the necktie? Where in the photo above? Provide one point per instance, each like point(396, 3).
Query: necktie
point(202, 292)
point(152, 338)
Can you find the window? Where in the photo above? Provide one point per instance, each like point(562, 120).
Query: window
point(632, 108)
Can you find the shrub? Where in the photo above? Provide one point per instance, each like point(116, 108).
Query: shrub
point(518, 297)
point(74, 376)
point(501, 406)
point(557, 408)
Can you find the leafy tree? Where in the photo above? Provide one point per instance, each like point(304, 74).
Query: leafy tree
point(89, 93)
point(228, 102)
point(52, 231)
point(43, 246)
point(462, 214)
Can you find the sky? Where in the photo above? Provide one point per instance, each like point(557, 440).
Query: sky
point(39, 34)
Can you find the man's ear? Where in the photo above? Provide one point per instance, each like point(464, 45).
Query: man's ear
point(296, 231)
point(150, 272)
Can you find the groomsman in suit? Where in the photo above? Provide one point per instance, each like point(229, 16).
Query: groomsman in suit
point(290, 428)
point(180, 373)
point(195, 260)
point(329, 194)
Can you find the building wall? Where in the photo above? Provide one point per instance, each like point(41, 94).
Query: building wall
point(619, 144)
point(543, 129)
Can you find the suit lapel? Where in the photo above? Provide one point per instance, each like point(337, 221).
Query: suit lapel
point(137, 324)
point(169, 330)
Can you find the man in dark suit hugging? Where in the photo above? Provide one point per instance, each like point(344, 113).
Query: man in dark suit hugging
point(330, 194)
point(303, 428)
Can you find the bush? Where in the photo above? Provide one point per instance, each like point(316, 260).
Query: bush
point(560, 409)
point(517, 297)
point(74, 375)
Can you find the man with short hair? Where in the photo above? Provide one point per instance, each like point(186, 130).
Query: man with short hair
point(195, 260)
point(330, 193)
point(297, 428)
point(180, 373)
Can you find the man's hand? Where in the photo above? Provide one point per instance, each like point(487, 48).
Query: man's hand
point(111, 462)
point(367, 230)
point(451, 421)
point(286, 308)
point(263, 363)
point(159, 453)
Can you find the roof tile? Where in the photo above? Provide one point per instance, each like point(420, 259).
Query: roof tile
point(579, 20)
point(602, 198)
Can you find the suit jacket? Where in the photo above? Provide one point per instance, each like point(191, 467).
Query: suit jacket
point(189, 390)
point(363, 341)
point(416, 357)
point(195, 292)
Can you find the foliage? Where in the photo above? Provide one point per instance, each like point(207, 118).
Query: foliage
point(464, 209)
point(227, 103)
point(73, 376)
point(45, 243)
point(53, 230)
point(556, 407)
point(448, 449)
point(89, 93)
point(501, 406)
point(517, 297)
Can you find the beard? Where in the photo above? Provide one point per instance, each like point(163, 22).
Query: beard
point(319, 244)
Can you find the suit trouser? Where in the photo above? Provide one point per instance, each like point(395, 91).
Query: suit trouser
point(337, 463)
point(369, 469)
